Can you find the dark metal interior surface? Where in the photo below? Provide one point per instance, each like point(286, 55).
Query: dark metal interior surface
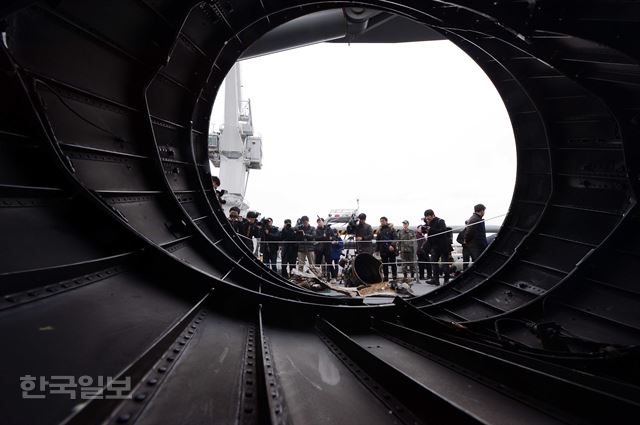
point(118, 261)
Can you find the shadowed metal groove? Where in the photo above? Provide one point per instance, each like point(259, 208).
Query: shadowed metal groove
point(112, 236)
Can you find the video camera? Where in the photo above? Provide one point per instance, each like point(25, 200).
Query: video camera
point(424, 228)
point(354, 221)
point(220, 193)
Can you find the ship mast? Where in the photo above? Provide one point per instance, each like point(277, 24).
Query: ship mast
point(235, 150)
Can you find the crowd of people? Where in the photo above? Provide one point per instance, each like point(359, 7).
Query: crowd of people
point(429, 246)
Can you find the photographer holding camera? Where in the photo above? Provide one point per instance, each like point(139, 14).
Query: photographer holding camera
point(363, 233)
point(269, 243)
point(248, 229)
point(235, 219)
point(305, 234)
point(215, 181)
point(322, 249)
point(289, 249)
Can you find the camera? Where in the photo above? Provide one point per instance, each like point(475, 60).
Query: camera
point(219, 194)
point(353, 223)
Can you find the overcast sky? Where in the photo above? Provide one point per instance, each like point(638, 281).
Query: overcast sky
point(402, 127)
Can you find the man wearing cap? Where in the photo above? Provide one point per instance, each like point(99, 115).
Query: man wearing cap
point(305, 235)
point(407, 246)
point(475, 234)
point(363, 233)
point(289, 248)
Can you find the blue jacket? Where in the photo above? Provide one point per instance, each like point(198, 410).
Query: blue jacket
point(336, 249)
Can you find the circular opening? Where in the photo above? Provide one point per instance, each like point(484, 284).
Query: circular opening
point(391, 128)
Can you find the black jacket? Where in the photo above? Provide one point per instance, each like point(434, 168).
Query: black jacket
point(386, 233)
point(365, 231)
point(247, 231)
point(437, 236)
point(323, 235)
point(288, 235)
point(305, 236)
point(475, 234)
point(270, 235)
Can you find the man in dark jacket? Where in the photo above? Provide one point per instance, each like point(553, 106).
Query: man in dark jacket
point(289, 248)
point(248, 230)
point(475, 235)
point(423, 254)
point(269, 244)
point(439, 244)
point(215, 181)
point(235, 219)
point(364, 234)
point(322, 249)
point(385, 244)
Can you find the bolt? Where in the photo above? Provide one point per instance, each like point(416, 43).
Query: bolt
point(162, 369)
point(124, 418)
point(140, 396)
point(152, 381)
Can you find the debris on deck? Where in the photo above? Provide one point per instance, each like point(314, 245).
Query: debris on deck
point(312, 280)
